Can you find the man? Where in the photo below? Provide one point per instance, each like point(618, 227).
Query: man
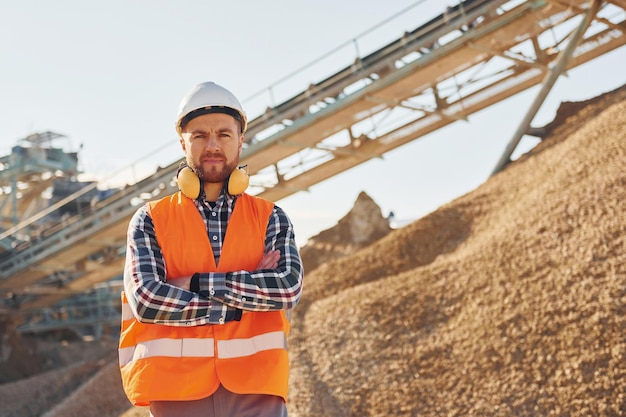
point(211, 274)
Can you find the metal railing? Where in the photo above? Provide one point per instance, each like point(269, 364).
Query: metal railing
point(84, 314)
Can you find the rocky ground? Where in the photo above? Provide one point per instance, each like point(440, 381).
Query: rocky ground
point(508, 301)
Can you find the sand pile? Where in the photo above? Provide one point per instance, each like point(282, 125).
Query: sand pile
point(510, 300)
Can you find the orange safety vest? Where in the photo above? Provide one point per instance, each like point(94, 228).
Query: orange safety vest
point(171, 363)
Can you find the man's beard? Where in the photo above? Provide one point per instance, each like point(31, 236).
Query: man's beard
point(213, 175)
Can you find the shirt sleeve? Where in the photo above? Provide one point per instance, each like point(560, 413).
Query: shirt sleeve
point(150, 297)
point(261, 290)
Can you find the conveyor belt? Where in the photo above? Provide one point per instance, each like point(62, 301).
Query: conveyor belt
point(427, 76)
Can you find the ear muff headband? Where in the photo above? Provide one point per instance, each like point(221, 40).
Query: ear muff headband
point(190, 184)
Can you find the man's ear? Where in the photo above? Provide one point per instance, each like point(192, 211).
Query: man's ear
point(241, 140)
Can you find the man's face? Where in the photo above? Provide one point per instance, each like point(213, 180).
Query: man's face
point(212, 144)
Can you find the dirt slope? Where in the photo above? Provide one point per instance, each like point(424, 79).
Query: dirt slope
point(508, 301)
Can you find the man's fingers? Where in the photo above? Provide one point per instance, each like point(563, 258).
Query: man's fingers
point(269, 260)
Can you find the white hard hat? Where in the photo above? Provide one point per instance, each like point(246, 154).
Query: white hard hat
point(209, 97)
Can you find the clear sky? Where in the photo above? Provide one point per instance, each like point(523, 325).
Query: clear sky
point(110, 75)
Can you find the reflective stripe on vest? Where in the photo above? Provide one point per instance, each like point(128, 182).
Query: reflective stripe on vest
point(236, 348)
point(199, 348)
point(173, 348)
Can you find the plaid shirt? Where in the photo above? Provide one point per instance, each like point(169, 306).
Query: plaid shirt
point(221, 295)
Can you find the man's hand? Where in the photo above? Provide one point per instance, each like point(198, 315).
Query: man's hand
point(269, 260)
point(180, 282)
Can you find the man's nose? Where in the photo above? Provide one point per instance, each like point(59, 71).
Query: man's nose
point(212, 143)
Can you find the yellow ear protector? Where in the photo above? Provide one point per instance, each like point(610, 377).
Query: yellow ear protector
point(188, 181)
point(238, 181)
point(191, 185)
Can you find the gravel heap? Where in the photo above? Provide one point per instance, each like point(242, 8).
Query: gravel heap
point(508, 301)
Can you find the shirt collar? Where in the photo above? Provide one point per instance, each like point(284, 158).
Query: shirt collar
point(224, 198)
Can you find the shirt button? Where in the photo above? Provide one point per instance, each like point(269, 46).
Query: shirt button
point(189, 323)
point(213, 214)
point(212, 291)
point(243, 298)
point(221, 320)
point(214, 237)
